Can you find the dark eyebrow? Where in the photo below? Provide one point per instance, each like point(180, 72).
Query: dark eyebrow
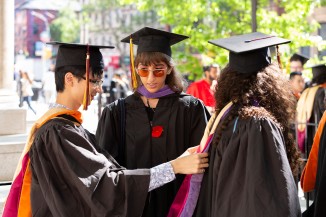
point(154, 64)
point(160, 64)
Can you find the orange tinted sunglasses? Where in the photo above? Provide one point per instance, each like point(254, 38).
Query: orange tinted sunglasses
point(143, 72)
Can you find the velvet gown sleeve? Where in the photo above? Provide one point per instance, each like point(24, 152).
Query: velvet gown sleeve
point(108, 133)
point(320, 194)
point(249, 174)
point(70, 178)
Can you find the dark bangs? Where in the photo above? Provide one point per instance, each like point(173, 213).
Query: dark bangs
point(148, 58)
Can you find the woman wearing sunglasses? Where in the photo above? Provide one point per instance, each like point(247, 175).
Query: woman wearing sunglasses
point(158, 121)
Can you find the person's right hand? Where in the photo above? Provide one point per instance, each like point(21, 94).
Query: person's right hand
point(191, 164)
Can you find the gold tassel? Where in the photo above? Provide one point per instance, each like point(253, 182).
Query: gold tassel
point(86, 94)
point(279, 57)
point(132, 67)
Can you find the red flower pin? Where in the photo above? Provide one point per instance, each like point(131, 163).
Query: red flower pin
point(157, 131)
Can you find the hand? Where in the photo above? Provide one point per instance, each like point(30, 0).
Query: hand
point(191, 164)
point(189, 151)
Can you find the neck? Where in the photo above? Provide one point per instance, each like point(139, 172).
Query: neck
point(66, 101)
point(162, 92)
point(149, 102)
point(208, 81)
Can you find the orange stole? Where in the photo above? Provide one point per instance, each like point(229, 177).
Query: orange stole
point(23, 208)
point(308, 177)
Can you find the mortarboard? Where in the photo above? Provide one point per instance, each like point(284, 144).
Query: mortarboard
point(154, 40)
point(249, 53)
point(318, 70)
point(150, 40)
point(302, 58)
point(88, 56)
point(70, 54)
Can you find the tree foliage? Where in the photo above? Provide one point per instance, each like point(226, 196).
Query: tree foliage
point(66, 27)
point(204, 20)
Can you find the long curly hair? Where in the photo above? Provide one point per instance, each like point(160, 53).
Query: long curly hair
point(174, 80)
point(270, 89)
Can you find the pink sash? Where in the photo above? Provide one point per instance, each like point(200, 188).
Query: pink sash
point(185, 201)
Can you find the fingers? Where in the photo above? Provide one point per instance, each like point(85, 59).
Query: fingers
point(201, 170)
point(203, 160)
point(202, 155)
point(202, 166)
point(192, 150)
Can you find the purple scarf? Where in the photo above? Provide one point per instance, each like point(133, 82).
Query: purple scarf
point(164, 91)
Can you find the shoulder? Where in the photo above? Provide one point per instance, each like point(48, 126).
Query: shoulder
point(189, 100)
point(258, 115)
point(321, 90)
point(57, 126)
point(114, 105)
point(197, 83)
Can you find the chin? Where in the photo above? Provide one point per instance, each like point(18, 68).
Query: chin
point(153, 89)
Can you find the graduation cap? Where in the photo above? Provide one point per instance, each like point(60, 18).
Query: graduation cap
point(88, 56)
point(70, 54)
point(249, 53)
point(318, 70)
point(154, 40)
point(151, 40)
point(302, 58)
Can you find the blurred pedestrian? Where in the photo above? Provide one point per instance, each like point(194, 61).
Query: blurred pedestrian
point(202, 89)
point(297, 62)
point(119, 88)
point(310, 108)
point(19, 87)
point(27, 91)
point(297, 84)
point(313, 177)
point(49, 91)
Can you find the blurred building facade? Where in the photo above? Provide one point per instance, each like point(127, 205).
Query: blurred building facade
point(32, 29)
point(112, 24)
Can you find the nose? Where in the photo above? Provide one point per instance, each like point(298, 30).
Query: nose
point(99, 89)
point(151, 76)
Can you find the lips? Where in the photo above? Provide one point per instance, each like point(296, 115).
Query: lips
point(152, 86)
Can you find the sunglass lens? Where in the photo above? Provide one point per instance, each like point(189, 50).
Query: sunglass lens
point(143, 72)
point(158, 72)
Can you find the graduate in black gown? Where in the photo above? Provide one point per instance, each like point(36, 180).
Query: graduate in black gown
point(320, 187)
point(311, 107)
point(63, 172)
point(252, 153)
point(159, 121)
point(314, 174)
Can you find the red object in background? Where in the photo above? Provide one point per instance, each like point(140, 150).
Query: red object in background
point(157, 131)
point(115, 62)
point(201, 89)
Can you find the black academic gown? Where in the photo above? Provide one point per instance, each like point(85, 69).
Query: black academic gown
point(183, 119)
point(71, 178)
point(317, 113)
point(318, 208)
point(249, 174)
